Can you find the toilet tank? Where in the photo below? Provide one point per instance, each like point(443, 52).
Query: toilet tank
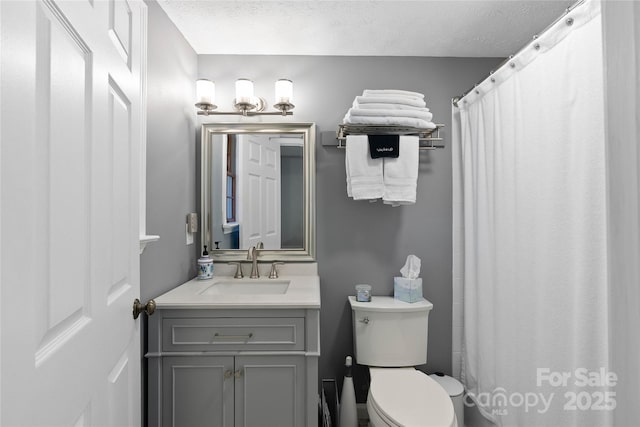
point(388, 332)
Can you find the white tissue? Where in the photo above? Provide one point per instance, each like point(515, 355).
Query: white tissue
point(411, 268)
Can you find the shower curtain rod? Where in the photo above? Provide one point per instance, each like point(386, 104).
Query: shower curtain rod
point(455, 100)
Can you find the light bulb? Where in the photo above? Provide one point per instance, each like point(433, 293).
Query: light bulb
point(244, 91)
point(205, 91)
point(284, 91)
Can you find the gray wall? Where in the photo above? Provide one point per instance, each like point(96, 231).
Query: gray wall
point(171, 154)
point(359, 242)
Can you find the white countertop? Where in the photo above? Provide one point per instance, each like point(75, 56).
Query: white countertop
point(303, 291)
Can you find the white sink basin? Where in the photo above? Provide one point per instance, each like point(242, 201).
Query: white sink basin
point(247, 287)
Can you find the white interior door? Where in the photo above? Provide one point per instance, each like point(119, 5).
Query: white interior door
point(259, 182)
point(70, 140)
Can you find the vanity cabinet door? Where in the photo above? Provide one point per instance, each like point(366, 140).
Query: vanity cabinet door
point(198, 391)
point(270, 391)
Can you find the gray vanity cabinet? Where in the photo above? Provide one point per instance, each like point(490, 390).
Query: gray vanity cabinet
point(227, 368)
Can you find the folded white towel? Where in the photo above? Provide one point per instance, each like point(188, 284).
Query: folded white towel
point(387, 121)
point(376, 106)
point(424, 115)
point(390, 99)
point(376, 92)
point(401, 173)
point(364, 174)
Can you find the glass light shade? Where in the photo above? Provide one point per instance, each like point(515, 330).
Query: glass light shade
point(205, 91)
point(244, 91)
point(284, 91)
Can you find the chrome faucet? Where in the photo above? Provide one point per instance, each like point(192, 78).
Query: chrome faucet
point(252, 255)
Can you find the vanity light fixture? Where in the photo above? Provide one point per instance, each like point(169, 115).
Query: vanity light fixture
point(245, 102)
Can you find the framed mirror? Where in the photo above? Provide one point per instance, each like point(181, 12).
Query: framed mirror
point(258, 189)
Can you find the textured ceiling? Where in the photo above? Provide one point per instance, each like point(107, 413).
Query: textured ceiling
point(362, 28)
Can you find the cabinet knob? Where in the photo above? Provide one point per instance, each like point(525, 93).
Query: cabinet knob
point(238, 373)
point(228, 374)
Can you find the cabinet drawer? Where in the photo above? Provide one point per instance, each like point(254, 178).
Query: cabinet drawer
point(224, 334)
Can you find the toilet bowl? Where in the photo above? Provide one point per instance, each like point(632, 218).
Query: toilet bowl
point(390, 337)
point(407, 397)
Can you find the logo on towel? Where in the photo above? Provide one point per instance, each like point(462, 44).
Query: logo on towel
point(384, 146)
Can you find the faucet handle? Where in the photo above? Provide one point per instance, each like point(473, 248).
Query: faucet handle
point(238, 274)
point(250, 253)
point(274, 271)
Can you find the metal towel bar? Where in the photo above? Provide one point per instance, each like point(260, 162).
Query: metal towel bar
point(427, 137)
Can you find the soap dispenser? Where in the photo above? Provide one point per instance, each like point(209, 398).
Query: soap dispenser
point(205, 265)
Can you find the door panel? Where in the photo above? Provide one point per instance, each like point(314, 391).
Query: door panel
point(70, 140)
point(259, 186)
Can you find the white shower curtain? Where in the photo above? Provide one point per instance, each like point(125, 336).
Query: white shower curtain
point(530, 253)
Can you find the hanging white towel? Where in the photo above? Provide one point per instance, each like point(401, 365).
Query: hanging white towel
point(401, 173)
point(364, 174)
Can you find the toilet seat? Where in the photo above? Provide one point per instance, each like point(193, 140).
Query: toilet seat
point(409, 398)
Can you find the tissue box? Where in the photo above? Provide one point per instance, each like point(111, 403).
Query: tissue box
point(407, 290)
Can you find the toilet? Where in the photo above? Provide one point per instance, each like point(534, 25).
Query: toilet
point(390, 337)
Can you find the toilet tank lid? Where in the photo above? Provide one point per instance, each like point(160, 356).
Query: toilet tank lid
point(385, 303)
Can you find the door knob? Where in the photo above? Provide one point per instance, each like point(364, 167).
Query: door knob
point(148, 308)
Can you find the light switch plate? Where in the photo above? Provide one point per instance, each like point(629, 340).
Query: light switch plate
point(192, 222)
point(189, 235)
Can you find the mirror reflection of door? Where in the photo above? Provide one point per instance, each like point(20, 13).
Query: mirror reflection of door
point(258, 177)
point(257, 191)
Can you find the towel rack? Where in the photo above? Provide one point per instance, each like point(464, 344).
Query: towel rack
point(426, 137)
